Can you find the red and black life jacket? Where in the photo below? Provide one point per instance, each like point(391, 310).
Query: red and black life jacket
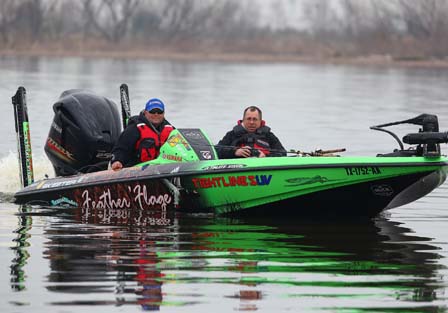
point(257, 140)
point(150, 141)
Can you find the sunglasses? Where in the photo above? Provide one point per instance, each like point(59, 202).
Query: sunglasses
point(156, 111)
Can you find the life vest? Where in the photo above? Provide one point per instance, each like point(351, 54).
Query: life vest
point(257, 140)
point(150, 141)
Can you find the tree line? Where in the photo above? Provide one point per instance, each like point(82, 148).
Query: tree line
point(400, 28)
point(330, 28)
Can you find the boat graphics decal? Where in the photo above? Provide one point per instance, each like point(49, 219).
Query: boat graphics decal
point(362, 170)
point(298, 181)
point(136, 196)
point(28, 153)
point(38, 185)
point(192, 134)
point(56, 127)
point(223, 167)
point(64, 201)
point(172, 157)
point(60, 183)
point(150, 195)
point(232, 181)
point(60, 151)
point(382, 190)
point(206, 154)
point(199, 142)
point(177, 140)
point(103, 155)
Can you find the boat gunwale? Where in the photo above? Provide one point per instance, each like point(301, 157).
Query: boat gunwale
point(24, 192)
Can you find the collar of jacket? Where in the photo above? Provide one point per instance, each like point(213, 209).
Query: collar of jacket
point(239, 128)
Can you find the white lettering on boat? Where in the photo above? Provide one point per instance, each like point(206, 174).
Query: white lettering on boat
point(207, 155)
point(223, 167)
point(138, 196)
point(63, 183)
point(142, 197)
point(105, 201)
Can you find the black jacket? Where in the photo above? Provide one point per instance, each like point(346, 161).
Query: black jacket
point(124, 149)
point(239, 136)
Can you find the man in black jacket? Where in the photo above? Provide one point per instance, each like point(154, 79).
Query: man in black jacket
point(250, 137)
point(142, 138)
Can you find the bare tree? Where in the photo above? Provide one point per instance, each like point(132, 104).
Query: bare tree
point(110, 18)
point(32, 19)
point(386, 16)
point(321, 17)
point(424, 19)
point(63, 19)
point(8, 16)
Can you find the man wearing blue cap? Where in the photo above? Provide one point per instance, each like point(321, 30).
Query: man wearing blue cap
point(143, 137)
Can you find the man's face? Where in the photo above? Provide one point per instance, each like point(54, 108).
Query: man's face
point(155, 116)
point(251, 121)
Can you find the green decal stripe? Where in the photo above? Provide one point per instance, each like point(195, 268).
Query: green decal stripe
point(28, 152)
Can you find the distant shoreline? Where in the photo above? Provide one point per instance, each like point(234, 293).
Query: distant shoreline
point(369, 60)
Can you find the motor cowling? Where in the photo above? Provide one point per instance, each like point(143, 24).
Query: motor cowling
point(84, 130)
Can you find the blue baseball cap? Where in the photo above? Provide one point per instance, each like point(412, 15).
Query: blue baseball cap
point(154, 103)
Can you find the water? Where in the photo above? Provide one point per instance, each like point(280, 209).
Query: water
point(68, 261)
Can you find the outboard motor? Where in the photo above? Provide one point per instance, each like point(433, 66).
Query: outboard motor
point(83, 132)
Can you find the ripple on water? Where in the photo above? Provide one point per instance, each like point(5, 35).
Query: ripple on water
point(205, 262)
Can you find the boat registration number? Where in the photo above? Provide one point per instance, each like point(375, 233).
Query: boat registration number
point(362, 170)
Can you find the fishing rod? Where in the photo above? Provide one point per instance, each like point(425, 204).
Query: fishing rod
point(23, 137)
point(125, 104)
point(318, 152)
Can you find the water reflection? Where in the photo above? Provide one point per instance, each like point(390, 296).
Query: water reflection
point(20, 250)
point(240, 264)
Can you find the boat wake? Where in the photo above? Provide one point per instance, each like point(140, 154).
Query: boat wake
point(10, 178)
point(6, 197)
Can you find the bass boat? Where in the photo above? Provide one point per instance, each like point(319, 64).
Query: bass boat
point(188, 176)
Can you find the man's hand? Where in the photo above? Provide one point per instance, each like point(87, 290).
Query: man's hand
point(246, 152)
point(117, 166)
point(243, 152)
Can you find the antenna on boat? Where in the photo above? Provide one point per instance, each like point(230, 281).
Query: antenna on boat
point(23, 137)
point(125, 104)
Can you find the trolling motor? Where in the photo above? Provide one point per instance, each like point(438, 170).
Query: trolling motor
point(428, 139)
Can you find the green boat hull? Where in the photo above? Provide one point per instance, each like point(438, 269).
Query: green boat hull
point(286, 186)
point(307, 186)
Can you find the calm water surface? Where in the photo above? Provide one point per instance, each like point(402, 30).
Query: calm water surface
point(69, 260)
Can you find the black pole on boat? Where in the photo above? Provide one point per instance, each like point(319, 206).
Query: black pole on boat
point(23, 137)
point(125, 104)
